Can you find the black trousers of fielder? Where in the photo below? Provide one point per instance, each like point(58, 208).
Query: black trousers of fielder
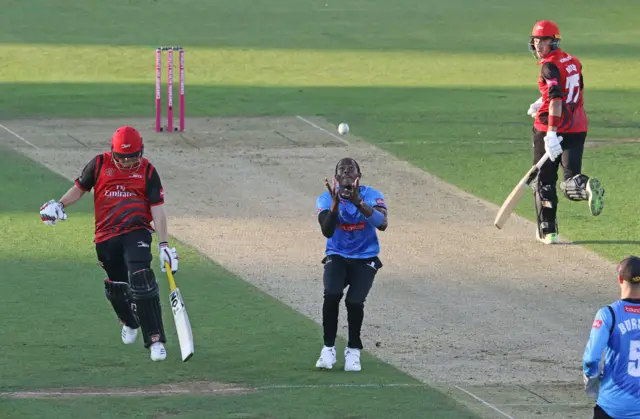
point(340, 273)
point(131, 286)
point(545, 193)
point(599, 413)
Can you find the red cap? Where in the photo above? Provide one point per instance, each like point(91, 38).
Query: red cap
point(126, 141)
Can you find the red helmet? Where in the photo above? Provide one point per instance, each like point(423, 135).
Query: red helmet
point(126, 149)
point(545, 29)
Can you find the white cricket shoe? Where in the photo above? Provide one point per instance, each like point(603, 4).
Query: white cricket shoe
point(158, 353)
point(327, 358)
point(352, 359)
point(129, 335)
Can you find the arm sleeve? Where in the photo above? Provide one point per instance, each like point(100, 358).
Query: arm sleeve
point(375, 199)
point(551, 75)
point(327, 220)
point(155, 192)
point(88, 177)
point(598, 339)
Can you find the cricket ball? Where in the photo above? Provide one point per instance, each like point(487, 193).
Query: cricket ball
point(343, 128)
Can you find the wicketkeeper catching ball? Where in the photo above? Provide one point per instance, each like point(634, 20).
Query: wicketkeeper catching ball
point(128, 196)
point(349, 215)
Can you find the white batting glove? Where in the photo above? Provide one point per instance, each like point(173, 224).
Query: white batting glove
point(51, 212)
point(169, 255)
point(534, 107)
point(552, 145)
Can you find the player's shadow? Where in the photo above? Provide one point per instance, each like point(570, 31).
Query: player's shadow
point(581, 242)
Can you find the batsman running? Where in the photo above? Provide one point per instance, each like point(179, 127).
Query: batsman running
point(560, 129)
point(349, 215)
point(128, 195)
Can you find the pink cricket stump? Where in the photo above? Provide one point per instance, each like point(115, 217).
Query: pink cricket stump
point(170, 90)
point(158, 88)
point(181, 90)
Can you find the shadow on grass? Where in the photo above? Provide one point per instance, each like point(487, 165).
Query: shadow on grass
point(616, 242)
point(392, 106)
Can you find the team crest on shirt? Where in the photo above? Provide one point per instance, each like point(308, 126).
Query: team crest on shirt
point(597, 324)
point(109, 171)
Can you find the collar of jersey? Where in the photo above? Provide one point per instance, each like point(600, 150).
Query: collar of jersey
point(551, 55)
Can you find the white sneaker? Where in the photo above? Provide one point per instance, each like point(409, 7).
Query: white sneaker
point(352, 359)
point(550, 238)
point(327, 358)
point(129, 335)
point(158, 353)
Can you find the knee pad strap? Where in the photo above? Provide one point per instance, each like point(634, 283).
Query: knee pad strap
point(144, 285)
point(546, 204)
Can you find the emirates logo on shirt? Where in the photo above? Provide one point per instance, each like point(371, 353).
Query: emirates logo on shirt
point(119, 192)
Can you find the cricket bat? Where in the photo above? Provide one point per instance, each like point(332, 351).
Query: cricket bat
point(517, 193)
point(180, 317)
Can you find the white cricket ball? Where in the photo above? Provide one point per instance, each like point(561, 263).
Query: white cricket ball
point(343, 128)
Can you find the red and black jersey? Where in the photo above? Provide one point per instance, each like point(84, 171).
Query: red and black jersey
point(122, 200)
point(561, 78)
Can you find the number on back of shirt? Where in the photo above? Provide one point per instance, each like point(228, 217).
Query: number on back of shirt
point(573, 88)
point(634, 358)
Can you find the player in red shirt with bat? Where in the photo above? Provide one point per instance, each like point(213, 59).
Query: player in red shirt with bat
point(128, 196)
point(560, 129)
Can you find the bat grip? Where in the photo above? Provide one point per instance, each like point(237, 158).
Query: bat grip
point(172, 281)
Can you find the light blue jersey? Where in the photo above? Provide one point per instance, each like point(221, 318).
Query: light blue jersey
point(616, 330)
point(354, 237)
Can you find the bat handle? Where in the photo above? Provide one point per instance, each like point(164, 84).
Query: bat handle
point(542, 160)
point(172, 281)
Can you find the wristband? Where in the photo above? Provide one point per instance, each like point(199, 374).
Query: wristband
point(376, 219)
point(554, 121)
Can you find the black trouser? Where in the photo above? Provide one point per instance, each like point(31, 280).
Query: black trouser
point(598, 413)
point(124, 254)
point(339, 273)
point(545, 193)
point(131, 286)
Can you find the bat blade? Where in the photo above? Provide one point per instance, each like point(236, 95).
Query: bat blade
point(183, 325)
point(511, 202)
point(180, 318)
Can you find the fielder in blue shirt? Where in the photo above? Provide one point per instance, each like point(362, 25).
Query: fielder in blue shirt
point(350, 215)
point(616, 331)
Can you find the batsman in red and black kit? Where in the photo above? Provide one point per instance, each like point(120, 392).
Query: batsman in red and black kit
point(560, 129)
point(128, 196)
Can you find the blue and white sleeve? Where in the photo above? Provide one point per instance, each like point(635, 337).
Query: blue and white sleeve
point(375, 198)
point(323, 202)
point(598, 339)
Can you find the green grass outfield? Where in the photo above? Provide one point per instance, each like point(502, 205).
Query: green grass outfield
point(445, 85)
